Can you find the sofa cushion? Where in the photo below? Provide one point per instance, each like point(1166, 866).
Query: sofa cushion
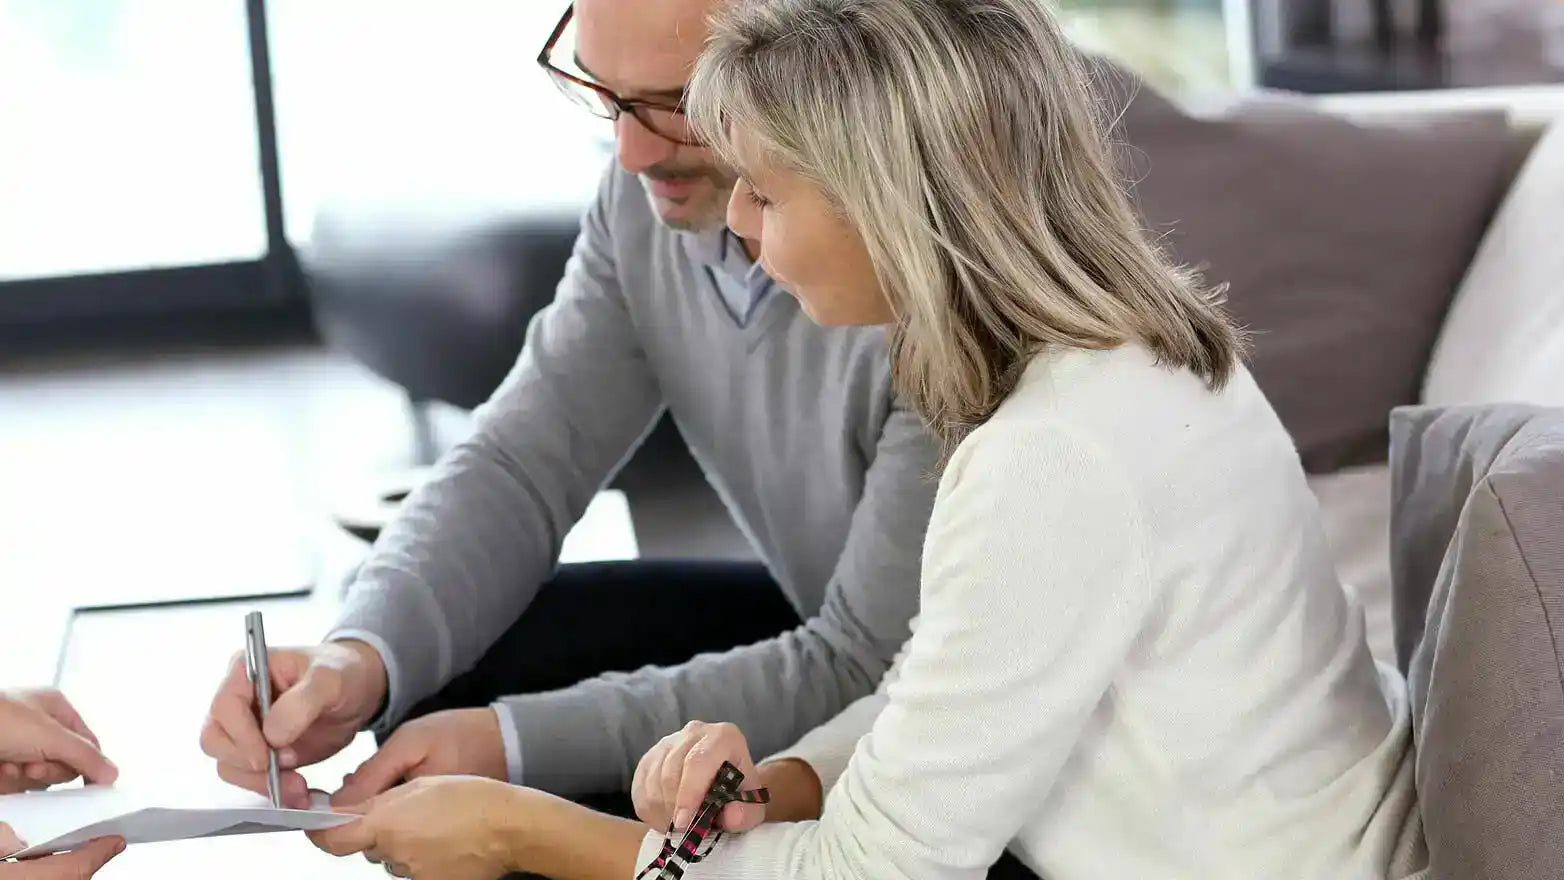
point(1504, 337)
point(1342, 244)
point(1478, 561)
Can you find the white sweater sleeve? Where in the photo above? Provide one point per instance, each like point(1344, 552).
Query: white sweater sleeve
point(828, 748)
point(1036, 585)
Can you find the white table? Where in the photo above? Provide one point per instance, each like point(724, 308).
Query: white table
point(143, 679)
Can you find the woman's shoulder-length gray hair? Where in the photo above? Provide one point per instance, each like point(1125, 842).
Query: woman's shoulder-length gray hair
point(963, 140)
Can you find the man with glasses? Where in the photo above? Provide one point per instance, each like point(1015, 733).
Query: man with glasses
point(460, 619)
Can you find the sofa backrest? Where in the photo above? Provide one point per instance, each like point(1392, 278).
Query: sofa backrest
point(1531, 109)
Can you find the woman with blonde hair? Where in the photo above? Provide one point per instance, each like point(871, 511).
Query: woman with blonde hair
point(1134, 659)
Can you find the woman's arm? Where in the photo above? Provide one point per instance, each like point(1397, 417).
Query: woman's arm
point(797, 793)
point(567, 841)
point(471, 828)
point(1035, 588)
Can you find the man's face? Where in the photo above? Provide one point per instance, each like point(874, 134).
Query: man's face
point(646, 50)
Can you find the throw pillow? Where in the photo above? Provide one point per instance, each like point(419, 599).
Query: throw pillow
point(1504, 337)
point(1478, 544)
point(1341, 244)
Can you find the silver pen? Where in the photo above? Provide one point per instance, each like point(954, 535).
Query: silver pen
point(258, 664)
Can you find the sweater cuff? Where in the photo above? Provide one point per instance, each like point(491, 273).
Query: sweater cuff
point(572, 747)
point(828, 748)
point(382, 723)
point(827, 756)
point(408, 629)
point(651, 848)
point(511, 737)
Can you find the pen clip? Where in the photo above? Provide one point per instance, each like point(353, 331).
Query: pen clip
point(252, 659)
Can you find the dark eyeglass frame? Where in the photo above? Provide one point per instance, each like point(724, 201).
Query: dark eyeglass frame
point(615, 105)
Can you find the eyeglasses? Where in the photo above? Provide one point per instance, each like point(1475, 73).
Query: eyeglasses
point(662, 120)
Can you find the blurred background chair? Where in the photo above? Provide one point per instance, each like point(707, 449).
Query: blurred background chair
point(439, 308)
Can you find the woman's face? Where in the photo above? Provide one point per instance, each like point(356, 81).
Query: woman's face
point(807, 246)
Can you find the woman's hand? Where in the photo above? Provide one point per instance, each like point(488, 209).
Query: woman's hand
point(673, 778)
point(44, 742)
point(434, 828)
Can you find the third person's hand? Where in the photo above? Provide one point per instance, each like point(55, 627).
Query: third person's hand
point(44, 742)
point(78, 865)
point(324, 696)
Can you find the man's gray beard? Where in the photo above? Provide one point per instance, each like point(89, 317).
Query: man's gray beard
point(717, 219)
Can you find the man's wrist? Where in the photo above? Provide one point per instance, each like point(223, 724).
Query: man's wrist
point(371, 674)
point(796, 792)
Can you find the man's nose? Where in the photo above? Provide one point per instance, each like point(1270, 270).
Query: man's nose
point(640, 149)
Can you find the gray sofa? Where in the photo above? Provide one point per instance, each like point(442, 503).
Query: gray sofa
point(1478, 561)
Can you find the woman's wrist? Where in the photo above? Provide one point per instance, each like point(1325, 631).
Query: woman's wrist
point(796, 792)
point(548, 835)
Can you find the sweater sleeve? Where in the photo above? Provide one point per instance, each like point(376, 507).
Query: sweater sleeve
point(590, 736)
point(829, 747)
point(472, 545)
point(1036, 586)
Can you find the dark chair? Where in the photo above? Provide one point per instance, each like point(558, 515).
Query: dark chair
point(439, 307)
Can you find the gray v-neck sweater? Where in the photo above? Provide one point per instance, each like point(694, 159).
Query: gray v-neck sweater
point(795, 426)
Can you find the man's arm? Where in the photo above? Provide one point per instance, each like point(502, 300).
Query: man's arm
point(589, 738)
point(470, 548)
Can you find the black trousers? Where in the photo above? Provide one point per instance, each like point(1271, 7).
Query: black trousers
point(594, 618)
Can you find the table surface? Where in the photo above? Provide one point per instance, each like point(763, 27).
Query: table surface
point(143, 678)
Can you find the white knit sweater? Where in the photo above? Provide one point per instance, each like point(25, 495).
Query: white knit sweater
point(1134, 660)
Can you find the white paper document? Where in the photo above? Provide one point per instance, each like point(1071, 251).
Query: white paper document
point(56, 821)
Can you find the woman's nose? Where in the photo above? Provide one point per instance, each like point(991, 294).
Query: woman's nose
point(744, 217)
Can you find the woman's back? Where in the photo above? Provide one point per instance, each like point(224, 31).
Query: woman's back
point(1245, 721)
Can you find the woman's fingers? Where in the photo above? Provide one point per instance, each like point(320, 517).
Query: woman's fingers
point(670, 779)
point(719, 744)
point(644, 792)
point(674, 777)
